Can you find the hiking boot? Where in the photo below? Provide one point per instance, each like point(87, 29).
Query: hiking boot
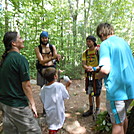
point(88, 113)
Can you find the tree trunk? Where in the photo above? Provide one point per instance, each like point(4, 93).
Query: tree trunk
point(6, 16)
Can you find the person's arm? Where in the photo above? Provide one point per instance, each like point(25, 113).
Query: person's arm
point(43, 61)
point(103, 72)
point(68, 84)
point(55, 55)
point(68, 81)
point(104, 63)
point(84, 64)
point(87, 68)
point(40, 58)
point(28, 92)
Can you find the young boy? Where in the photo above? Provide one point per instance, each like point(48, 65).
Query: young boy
point(89, 61)
point(53, 95)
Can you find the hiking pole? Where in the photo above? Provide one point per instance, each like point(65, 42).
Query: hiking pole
point(91, 89)
point(93, 94)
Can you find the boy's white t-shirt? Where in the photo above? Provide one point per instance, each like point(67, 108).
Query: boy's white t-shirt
point(53, 97)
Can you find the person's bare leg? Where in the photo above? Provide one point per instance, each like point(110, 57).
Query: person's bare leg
point(90, 100)
point(90, 111)
point(97, 101)
point(118, 128)
point(125, 125)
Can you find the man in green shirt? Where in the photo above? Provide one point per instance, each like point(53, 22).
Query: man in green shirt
point(15, 89)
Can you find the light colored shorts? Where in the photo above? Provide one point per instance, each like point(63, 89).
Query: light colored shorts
point(19, 120)
point(117, 110)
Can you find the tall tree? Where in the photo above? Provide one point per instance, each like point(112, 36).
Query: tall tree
point(74, 14)
point(6, 16)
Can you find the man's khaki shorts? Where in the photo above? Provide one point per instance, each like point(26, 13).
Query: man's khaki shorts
point(117, 110)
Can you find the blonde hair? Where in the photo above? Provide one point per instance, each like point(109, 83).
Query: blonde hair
point(105, 29)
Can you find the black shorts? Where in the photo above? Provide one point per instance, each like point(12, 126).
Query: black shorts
point(90, 83)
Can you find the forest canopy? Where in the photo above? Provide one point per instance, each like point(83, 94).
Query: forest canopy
point(68, 23)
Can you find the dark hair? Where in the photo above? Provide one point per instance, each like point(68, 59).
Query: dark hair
point(49, 73)
point(8, 38)
point(105, 29)
point(92, 38)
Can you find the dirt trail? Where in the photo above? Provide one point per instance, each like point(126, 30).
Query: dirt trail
point(75, 106)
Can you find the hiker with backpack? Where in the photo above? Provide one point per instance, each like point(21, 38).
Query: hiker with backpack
point(90, 59)
point(46, 57)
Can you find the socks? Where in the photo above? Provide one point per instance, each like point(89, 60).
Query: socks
point(91, 108)
point(97, 108)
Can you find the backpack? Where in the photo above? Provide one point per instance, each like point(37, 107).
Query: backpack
point(39, 67)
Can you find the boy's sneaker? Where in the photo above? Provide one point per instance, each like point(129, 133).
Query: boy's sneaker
point(88, 113)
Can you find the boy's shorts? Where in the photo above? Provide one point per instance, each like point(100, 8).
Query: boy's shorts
point(117, 110)
point(89, 86)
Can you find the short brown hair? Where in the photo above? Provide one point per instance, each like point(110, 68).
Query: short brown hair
point(49, 73)
point(105, 29)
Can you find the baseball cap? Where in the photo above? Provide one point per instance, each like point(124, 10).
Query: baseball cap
point(44, 34)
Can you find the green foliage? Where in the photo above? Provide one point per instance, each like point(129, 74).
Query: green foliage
point(67, 24)
point(132, 104)
point(30, 55)
point(130, 115)
point(75, 74)
point(103, 123)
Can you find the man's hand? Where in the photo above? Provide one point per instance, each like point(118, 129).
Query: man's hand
point(58, 57)
point(67, 80)
point(104, 71)
point(68, 83)
point(34, 111)
point(89, 69)
point(28, 92)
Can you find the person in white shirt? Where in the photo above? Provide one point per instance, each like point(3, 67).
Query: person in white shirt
point(52, 96)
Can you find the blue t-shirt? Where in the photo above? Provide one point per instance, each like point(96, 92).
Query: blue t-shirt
point(116, 54)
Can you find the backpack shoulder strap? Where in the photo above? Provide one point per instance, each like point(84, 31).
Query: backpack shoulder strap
point(97, 54)
point(86, 52)
point(51, 48)
point(97, 51)
point(40, 49)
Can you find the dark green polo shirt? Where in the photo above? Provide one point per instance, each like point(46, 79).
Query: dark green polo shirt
point(13, 72)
